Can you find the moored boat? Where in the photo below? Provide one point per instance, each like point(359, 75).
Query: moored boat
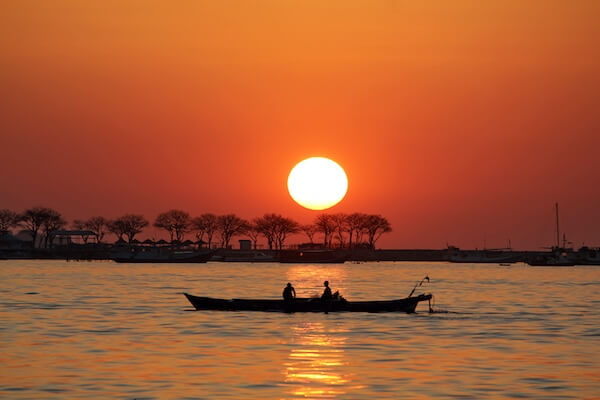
point(313, 256)
point(161, 255)
point(557, 258)
point(407, 305)
point(245, 256)
point(457, 255)
point(587, 256)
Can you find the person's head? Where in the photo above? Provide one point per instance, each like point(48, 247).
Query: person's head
point(326, 283)
point(289, 285)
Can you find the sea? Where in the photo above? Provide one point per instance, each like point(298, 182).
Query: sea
point(101, 330)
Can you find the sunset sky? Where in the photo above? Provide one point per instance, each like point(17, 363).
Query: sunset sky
point(459, 121)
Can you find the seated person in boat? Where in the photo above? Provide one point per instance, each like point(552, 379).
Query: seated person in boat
point(289, 293)
point(327, 292)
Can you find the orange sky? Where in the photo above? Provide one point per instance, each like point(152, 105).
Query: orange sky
point(460, 121)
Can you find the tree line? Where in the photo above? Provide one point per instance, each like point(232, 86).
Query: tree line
point(339, 230)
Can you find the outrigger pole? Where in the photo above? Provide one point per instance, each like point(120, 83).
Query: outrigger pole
point(419, 284)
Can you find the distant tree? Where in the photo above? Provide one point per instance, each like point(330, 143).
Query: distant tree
point(253, 232)
point(340, 221)
point(118, 227)
point(230, 225)
point(128, 225)
point(376, 225)
point(326, 226)
point(267, 225)
point(276, 228)
point(53, 222)
point(8, 219)
point(97, 225)
point(32, 220)
point(356, 225)
point(310, 230)
point(285, 227)
point(162, 221)
point(80, 226)
point(176, 222)
point(205, 224)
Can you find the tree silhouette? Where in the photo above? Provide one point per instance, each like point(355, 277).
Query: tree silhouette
point(267, 225)
point(128, 225)
point(284, 227)
point(118, 228)
point(32, 220)
point(50, 225)
point(80, 225)
point(340, 221)
point(229, 226)
point(8, 219)
point(176, 222)
point(348, 229)
point(309, 230)
point(253, 232)
point(376, 225)
point(326, 226)
point(205, 224)
point(97, 225)
point(356, 225)
point(276, 228)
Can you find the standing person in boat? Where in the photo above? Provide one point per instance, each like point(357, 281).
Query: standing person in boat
point(289, 293)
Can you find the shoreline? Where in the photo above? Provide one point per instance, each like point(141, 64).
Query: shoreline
point(453, 255)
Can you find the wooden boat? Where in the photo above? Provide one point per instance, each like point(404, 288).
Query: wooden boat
point(407, 305)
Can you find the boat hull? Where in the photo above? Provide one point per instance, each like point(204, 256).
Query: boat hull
point(551, 264)
point(481, 256)
point(503, 260)
point(551, 261)
point(175, 257)
point(587, 256)
point(407, 305)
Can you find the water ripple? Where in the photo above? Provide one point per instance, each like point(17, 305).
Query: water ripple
point(101, 330)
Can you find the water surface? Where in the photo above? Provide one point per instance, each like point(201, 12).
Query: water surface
point(98, 330)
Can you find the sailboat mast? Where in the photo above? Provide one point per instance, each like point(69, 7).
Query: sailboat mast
point(557, 228)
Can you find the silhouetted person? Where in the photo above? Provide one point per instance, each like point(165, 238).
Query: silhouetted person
point(289, 293)
point(327, 292)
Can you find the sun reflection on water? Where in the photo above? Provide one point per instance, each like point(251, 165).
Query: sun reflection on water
point(315, 366)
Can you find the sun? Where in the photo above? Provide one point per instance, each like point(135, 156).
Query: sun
point(317, 183)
